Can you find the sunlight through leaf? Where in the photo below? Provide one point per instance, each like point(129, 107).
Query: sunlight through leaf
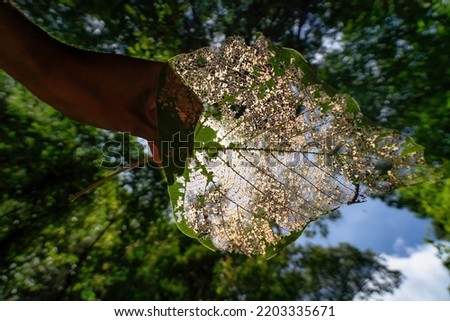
point(262, 147)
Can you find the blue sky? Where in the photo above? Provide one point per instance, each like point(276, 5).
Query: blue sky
point(398, 236)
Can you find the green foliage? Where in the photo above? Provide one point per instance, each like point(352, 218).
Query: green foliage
point(430, 199)
point(354, 272)
point(119, 242)
point(392, 61)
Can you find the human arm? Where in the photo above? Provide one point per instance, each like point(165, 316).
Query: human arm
point(104, 90)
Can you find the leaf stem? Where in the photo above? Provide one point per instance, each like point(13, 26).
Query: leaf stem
point(85, 190)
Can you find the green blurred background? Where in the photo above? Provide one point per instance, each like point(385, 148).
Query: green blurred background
point(119, 242)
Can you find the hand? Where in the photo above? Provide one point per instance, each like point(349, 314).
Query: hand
point(104, 90)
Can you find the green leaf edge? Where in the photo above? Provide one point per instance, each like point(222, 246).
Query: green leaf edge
point(273, 250)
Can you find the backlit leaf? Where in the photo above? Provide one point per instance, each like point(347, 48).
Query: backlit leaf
point(285, 149)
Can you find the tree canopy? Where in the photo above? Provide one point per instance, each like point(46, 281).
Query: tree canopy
point(120, 242)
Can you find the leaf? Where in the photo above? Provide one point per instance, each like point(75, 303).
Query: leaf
point(274, 149)
point(271, 251)
point(410, 147)
point(352, 106)
point(178, 111)
point(205, 134)
point(176, 193)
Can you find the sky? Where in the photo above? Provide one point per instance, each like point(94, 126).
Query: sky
point(399, 237)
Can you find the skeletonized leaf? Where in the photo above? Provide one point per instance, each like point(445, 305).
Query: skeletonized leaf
point(269, 148)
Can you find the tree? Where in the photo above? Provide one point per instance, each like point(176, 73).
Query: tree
point(303, 273)
point(393, 63)
point(119, 242)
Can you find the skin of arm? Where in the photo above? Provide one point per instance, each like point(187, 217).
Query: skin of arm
point(104, 90)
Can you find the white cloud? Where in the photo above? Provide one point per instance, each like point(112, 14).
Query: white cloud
point(398, 234)
point(399, 244)
point(426, 278)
